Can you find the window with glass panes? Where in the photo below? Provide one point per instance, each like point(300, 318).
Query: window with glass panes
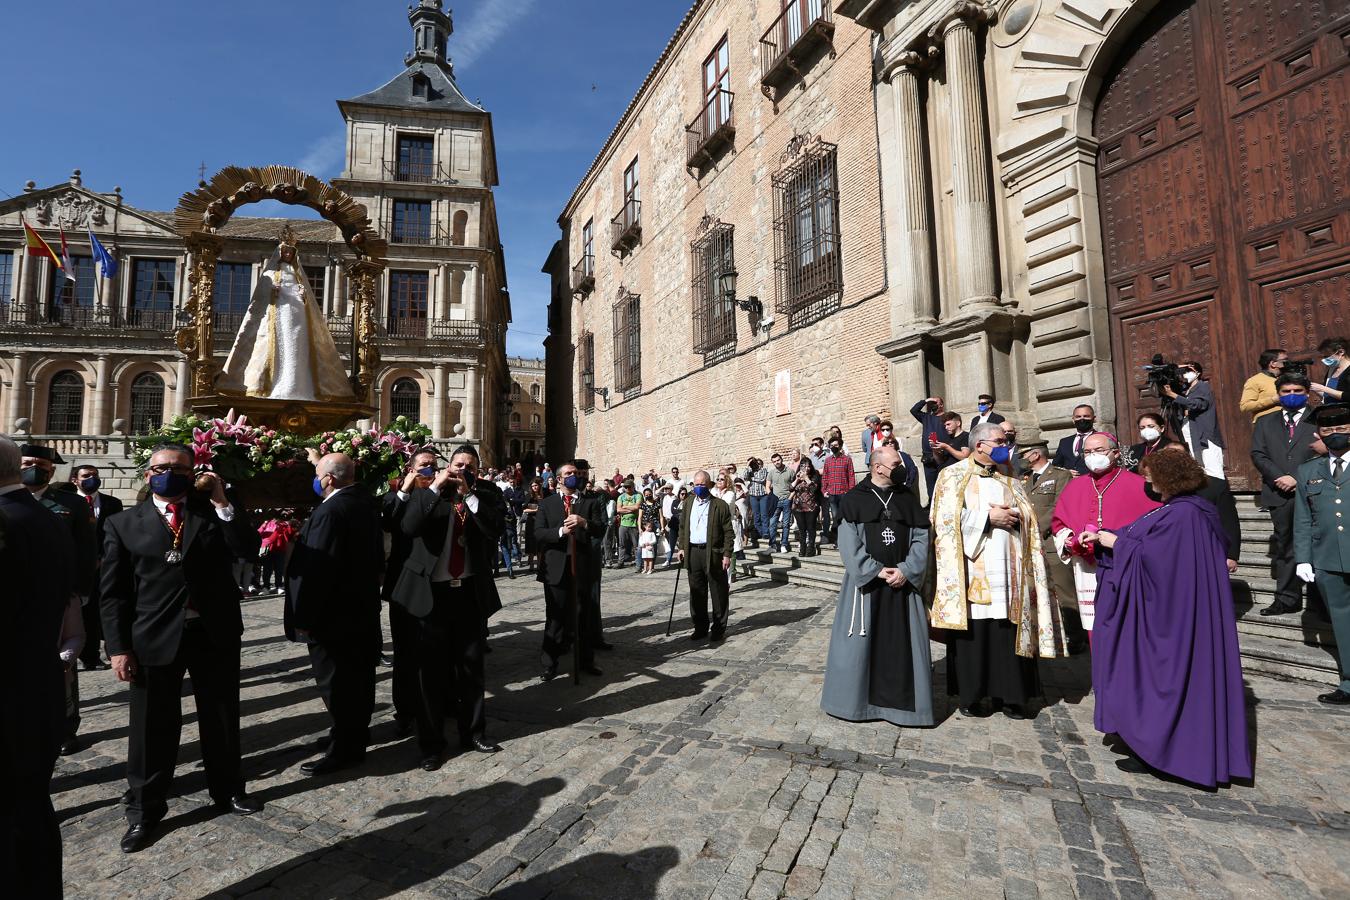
point(315, 276)
point(806, 231)
point(65, 403)
point(147, 403)
point(412, 222)
point(405, 399)
point(416, 158)
point(407, 304)
point(73, 301)
point(152, 293)
point(230, 296)
point(6, 276)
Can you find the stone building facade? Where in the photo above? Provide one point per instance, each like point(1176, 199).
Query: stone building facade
point(526, 408)
point(98, 356)
point(1067, 187)
point(749, 148)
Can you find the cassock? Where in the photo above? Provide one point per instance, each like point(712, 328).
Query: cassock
point(879, 664)
point(1110, 500)
point(990, 589)
point(1165, 664)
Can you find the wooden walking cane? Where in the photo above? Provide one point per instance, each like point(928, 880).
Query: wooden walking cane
point(573, 598)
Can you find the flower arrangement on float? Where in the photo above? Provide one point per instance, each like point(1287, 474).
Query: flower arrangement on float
point(229, 446)
point(380, 454)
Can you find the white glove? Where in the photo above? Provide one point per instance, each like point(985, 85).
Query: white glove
point(1305, 572)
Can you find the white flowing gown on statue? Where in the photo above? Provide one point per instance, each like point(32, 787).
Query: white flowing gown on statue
point(284, 350)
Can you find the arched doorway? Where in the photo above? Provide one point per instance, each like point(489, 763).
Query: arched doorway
point(1221, 182)
point(405, 399)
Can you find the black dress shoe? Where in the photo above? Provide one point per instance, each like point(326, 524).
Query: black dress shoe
point(592, 669)
point(1280, 609)
point(95, 665)
point(386, 659)
point(71, 745)
point(549, 673)
point(717, 634)
point(327, 764)
point(698, 635)
point(482, 745)
point(969, 712)
point(138, 837)
point(1015, 711)
point(1132, 764)
point(1337, 697)
point(241, 804)
point(433, 762)
point(604, 646)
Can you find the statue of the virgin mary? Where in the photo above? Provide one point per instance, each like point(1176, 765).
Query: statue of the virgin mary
point(284, 350)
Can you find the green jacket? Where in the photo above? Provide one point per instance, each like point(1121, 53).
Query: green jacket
point(720, 536)
point(1321, 517)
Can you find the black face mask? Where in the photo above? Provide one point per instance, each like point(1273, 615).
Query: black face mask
point(1336, 443)
point(35, 476)
point(1083, 425)
point(898, 474)
point(1152, 493)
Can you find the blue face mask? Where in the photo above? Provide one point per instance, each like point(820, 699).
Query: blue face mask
point(1329, 361)
point(170, 484)
point(427, 472)
point(1000, 455)
point(701, 491)
point(571, 482)
point(90, 485)
point(318, 485)
point(1293, 401)
point(983, 407)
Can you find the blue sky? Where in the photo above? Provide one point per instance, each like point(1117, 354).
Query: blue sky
point(141, 93)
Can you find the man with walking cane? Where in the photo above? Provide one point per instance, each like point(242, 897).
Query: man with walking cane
point(706, 542)
point(568, 571)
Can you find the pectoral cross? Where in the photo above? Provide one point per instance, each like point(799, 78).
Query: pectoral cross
point(887, 536)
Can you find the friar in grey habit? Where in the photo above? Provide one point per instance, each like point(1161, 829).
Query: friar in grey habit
point(879, 665)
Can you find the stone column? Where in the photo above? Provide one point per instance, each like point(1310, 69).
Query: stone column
point(914, 296)
point(18, 391)
point(184, 386)
point(976, 269)
point(99, 422)
point(472, 380)
point(339, 303)
point(438, 401)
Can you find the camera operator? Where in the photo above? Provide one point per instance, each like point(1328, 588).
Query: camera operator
point(1336, 357)
point(1192, 415)
point(1259, 396)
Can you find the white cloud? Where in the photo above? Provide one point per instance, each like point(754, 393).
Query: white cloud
point(324, 156)
point(481, 29)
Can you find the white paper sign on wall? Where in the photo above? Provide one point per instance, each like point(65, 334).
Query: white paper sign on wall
point(782, 393)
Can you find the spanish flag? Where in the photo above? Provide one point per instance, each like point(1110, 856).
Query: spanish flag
point(38, 247)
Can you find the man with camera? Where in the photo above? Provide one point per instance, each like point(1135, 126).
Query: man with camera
point(1259, 394)
point(447, 586)
point(1192, 415)
point(1280, 445)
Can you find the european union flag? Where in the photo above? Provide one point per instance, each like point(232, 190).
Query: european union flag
point(105, 260)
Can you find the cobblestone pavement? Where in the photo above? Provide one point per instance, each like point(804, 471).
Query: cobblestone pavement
point(698, 771)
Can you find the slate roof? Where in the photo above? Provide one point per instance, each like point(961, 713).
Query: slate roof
point(443, 94)
point(258, 227)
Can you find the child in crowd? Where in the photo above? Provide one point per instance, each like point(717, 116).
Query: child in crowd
point(647, 544)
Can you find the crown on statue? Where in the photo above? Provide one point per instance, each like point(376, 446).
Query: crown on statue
point(288, 238)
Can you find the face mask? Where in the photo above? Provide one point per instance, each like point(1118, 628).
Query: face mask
point(815, 448)
point(318, 485)
point(90, 485)
point(1329, 361)
point(885, 432)
point(571, 482)
point(1151, 492)
point(835, 448)
point(982, 407)
point(1097, 462)
point(1150, 434)
point(1000, 455)
point(170, 484)
point(1083, 426)
point(898, 473)
point(701, 491)
point(1337, 443)
point(1189, 377)
point(427, 472)
point(35, 477)
point(1293, 401)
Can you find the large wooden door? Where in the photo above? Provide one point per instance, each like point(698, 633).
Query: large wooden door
point(1223, 160)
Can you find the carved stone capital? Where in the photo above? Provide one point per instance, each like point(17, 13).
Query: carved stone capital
point(963, 14)
point(899, 60)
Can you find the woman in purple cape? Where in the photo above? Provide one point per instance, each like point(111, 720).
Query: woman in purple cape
point(1165, 667)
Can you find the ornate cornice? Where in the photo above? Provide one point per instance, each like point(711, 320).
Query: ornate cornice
point(962, 12)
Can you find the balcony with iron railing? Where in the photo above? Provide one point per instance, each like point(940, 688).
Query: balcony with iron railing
point(439, 331)
point(800, 28)
point(416, 172)
point(427, 234)
point(583, 275)
point(626, 227)
point(151, 319)
point(712, 129)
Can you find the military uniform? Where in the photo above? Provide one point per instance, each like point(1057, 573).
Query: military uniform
point(1322, 540)
point(1043, 491)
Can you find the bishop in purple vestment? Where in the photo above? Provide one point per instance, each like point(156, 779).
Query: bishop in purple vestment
point(1165, 664)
